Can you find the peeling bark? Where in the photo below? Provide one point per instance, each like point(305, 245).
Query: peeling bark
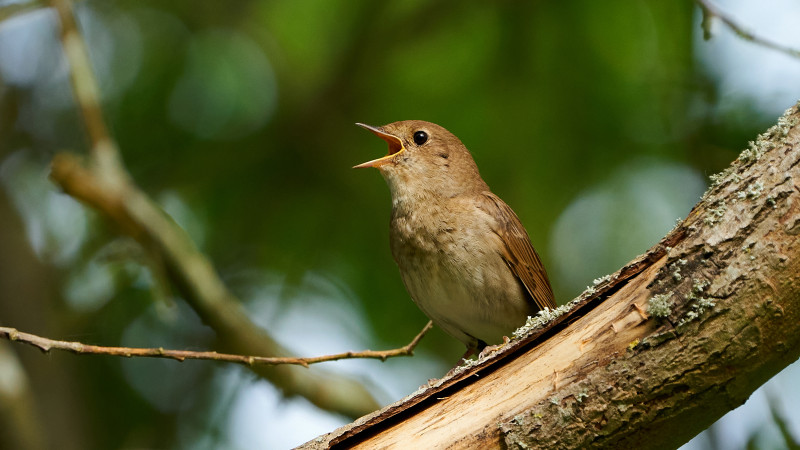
point(656, 353)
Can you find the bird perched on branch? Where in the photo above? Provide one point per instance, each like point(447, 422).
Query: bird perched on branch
point(463, 254)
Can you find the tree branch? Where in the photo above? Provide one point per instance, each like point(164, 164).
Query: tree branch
point(45, 345)
point(710, 11)
point(104, 150)
point(104, 183)
point(653, 354)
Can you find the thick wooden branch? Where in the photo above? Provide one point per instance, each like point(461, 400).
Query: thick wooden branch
point(656, 353)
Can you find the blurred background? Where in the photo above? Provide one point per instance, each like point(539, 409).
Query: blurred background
point(598, 122)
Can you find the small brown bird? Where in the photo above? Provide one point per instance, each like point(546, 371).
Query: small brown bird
point(463, 254)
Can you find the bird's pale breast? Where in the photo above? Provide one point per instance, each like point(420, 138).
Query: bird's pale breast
point(452, 266)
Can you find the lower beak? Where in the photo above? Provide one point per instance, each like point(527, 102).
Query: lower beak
point(395, 147)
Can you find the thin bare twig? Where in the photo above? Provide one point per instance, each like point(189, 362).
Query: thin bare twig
point(711, 11)
point(45, 345)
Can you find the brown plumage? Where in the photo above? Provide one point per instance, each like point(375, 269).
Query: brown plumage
point(463, 254)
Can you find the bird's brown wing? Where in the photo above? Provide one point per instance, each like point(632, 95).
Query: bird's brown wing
point(518, 252)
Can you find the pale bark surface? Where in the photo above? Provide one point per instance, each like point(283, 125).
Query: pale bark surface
point(725, 286)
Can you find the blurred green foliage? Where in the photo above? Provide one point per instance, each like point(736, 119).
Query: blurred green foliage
point(238, 118)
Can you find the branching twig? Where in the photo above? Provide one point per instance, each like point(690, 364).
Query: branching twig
point(45, 345)
point(711, 11)
point(104, 184)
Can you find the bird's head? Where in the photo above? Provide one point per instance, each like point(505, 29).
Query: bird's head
point(424, 158)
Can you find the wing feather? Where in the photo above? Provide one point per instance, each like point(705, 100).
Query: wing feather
point(518, 252)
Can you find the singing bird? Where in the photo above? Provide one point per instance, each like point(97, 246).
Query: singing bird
point(464, 256)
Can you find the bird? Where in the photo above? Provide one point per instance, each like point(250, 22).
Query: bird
point(463, 254)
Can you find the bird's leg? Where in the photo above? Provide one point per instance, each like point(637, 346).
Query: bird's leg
point(485, 350)
point(471, 350)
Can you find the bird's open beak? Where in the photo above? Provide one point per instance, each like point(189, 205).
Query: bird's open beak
point(395, 147)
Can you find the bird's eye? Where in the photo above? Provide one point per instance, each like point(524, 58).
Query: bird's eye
point(420, 137)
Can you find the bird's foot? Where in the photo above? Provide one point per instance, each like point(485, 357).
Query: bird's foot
point(462, 361)
point(489, 349)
